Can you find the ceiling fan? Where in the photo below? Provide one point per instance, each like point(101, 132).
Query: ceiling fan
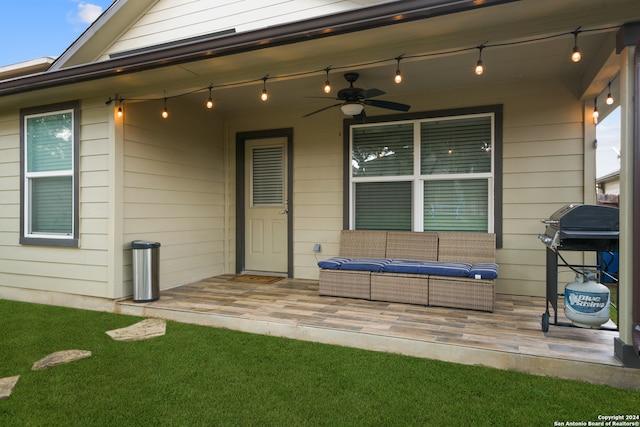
point(354, 99)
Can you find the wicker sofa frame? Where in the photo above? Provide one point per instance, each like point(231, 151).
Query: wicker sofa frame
point(443, 291)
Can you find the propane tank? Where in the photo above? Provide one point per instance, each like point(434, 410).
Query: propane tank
point(586, 302)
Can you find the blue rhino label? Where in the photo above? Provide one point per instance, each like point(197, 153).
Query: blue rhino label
point(586, 302)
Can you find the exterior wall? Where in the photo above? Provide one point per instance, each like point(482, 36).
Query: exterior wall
point(176, 185)
point(174, 189)
point(317, 179)
point(83, 270)
point(171, 20)
point(542, 164)
point(611, 187)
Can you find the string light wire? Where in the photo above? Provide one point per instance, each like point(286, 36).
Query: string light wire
point(396, 59)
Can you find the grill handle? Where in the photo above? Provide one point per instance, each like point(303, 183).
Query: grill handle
point(550, 221)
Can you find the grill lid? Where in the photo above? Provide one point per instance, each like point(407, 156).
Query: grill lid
point(585, 218)
point(582, 227)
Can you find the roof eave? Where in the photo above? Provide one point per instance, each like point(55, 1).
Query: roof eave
point(346, 22)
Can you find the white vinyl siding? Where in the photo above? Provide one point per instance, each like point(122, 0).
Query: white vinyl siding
point(172, 20)
point(174, 189)
point(167, 186)
point(82, 270)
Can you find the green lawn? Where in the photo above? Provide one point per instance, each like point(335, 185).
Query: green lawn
point(199, 376)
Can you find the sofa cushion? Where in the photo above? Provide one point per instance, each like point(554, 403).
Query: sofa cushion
point(333, 263)
point(434, 268)
point(485, 270)
point(365, 264)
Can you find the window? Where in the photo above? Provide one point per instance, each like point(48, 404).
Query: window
point(432, 173)
point(49, 171)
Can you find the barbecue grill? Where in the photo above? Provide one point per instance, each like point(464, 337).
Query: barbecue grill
point(576, 227)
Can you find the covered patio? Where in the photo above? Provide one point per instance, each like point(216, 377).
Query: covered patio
point(509, 338)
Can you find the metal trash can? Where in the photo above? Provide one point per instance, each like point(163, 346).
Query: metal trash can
point(146, 267)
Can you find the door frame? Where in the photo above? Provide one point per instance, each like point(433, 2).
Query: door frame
point(241, 140)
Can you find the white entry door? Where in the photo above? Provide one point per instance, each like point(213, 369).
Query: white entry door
point(266, 215)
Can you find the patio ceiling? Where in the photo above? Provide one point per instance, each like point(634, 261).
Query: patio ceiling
point(519, 21)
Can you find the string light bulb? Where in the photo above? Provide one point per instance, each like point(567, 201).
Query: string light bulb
point(209, 103)
point(327, 84)
point(609, 100)
point(596, 114)
point(576, 55)
point(119, 112)
point(264, 95)
point(479, 67)
point(165, 112)
point(398, 76)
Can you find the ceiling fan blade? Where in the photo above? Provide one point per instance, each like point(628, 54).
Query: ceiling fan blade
point(370, 93)
point(387, 104)
point(322, 109)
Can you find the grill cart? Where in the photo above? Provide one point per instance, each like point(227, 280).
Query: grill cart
point(576, 227)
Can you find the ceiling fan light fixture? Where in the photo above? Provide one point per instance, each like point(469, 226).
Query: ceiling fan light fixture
point(352, 108)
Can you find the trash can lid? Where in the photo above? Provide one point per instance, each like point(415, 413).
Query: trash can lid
point(143, 244)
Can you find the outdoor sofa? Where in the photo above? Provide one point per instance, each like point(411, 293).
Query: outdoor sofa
point(446, 269)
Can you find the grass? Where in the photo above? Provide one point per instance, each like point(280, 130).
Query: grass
point(199, 376)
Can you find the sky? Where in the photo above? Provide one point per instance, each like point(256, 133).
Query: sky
point(608, 137)
point(37, 28)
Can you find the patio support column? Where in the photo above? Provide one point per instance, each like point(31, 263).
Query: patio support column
point(629, 289)
point(119, 287)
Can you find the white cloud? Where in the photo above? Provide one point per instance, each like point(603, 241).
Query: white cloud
point(88, 12)
point(85, 13)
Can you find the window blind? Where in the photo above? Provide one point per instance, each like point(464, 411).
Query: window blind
point(383, 206)
point(268, 176)
point(383, 150)
point(51, 205)
point(456, 146)
point(456, 205)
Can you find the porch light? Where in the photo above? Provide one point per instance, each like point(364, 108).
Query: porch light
point(327, 84)
point(398, 77)
point(352, 108)
point(576, 56)
point(596, 114)
point(609, 100)
point(264, 95)
point(119, 113)
point(479, 66)
point(210, 100)
point(165, 112)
